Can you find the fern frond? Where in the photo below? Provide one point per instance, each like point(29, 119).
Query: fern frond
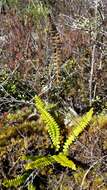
point(31, 187)
point(53, 128)
point(56, 49)
point(39, 101)
point(16, 181)
point(77, 130)
point(64, 161)
point(39, 163)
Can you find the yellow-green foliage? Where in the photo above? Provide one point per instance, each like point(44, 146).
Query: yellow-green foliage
point(19, 115)
point(16, 181)
point(12, 132)
point(100, 120)
point(54, 133)
point(77, 130)
point(39, 163)
point(64, 161)
point(31, 187)
point(37, 10)
point(53, 127)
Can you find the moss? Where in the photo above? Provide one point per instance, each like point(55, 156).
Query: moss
point(31, 138)
point(78, 176)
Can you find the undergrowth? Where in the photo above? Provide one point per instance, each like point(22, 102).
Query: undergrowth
point(60, 156)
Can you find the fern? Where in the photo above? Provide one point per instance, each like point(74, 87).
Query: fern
point(77, 130)
point(31, 187)
point(16, 181)
point(45, 161)
point(39, 163)
point(64, 161)
point(56, 48)
point(53, 127)
point(39, 102)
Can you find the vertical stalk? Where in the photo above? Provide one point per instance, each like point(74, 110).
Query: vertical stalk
point(93, 54)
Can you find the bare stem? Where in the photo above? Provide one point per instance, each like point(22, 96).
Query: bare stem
point(93, 54)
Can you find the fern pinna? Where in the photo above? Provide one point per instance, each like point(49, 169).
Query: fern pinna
point(53, 127)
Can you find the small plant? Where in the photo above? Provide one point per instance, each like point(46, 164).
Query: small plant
point(37, 10)
point(39, 162)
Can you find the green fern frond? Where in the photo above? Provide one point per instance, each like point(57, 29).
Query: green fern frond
point(77, 130)
point(31, 187)
point(39, 163)
point(39, 102)
point(53, 128)
point(45, 161)
point(16, 181)
point(64, 161)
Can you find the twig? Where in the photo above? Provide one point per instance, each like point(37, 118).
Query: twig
point(93, 54)
point(85, 175)
point(10, 75)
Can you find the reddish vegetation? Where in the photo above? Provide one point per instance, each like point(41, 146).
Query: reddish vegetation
point(74, 39)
